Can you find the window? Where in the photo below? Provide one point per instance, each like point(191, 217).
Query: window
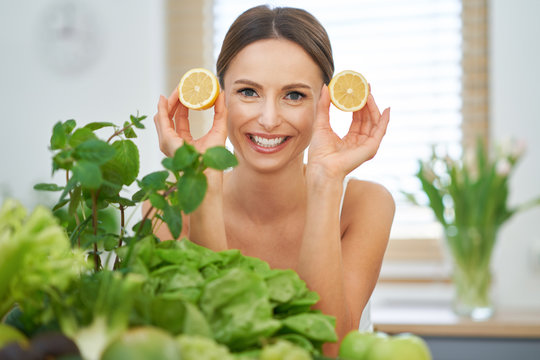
point(411, 53)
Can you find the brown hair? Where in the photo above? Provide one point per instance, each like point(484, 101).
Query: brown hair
point(262, 22)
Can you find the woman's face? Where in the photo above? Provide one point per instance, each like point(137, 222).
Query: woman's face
point(272, 88)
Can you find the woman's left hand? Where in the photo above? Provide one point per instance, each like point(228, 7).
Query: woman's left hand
point(336, 156)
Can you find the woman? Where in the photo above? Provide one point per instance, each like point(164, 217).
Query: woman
point(274, 68)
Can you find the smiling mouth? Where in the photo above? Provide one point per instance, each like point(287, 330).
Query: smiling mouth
point(268, 143)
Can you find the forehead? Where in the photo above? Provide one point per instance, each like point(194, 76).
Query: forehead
point(273, 61)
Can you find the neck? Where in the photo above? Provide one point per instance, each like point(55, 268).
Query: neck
point(267, 196)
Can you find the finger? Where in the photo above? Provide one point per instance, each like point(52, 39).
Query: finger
point(362, 121)
point(380, 129)
point(370, 116)
point(168, 140)
point(173, 102)
point(220, 117)
point(370, 145)
point(373, 109)
point(161, 119)
point(356, 124)
point(322, 119)
point(181, 121)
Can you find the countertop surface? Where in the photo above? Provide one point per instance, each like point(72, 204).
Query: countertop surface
point(426, 310)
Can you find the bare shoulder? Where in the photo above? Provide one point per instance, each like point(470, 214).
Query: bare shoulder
point(367, 194)
point(367, 203)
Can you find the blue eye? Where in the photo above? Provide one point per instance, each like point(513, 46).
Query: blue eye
point(294, 96)
point(248, 92)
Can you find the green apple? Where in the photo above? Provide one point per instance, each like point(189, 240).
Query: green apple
point(141, 344)
point(9, 334)
point(356, 344)
point(400, 347)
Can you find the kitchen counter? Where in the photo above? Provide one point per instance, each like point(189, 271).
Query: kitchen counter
point(425, 310)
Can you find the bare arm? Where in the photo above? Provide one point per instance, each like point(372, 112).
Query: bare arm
point(343, 268)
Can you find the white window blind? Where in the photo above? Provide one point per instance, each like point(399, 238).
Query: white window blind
point(410, 52)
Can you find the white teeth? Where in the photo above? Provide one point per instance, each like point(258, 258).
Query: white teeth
point(264, 142)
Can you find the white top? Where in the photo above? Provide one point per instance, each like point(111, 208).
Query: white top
point(365, 319)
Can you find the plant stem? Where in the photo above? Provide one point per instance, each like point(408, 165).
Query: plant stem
point(95, 224)
point(147, 214)
point(118, 132)
point(122, 224)
point(527, 205)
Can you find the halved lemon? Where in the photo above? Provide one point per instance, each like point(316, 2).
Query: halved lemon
point(198, 89)
point(349, 90)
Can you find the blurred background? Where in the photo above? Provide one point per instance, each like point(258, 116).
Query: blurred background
point(451, 70)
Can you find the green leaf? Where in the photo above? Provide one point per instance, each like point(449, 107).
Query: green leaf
point(123, 201)
point(63, 160)
point(94, 150)
point(136, 121)
point(191, 191)
point(48, 187)
point(219, 158)
point(314, 326)
point(81, 135)
point(72, 182)
point(75, 200)
point(88, 174)
point(110, 190)
point(235, 302)
point(110, 242)
point(285, 285)
point(184, 157)
point(75, 235)
point(88, 239)
point(69, 125)
point(172, 216)
point(128, 130)
point(139, 195)
point(58, 138)
point(123, 168)
point(60, 204)
point(98, 125)
point(158, 201)
point(155, 181)
point(145, 227)
point(168, 163)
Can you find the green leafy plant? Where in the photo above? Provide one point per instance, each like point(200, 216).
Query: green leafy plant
point(173, 285)
point(97, 172)
point(36, 260)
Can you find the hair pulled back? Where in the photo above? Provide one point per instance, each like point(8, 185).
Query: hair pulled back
point(262, 22)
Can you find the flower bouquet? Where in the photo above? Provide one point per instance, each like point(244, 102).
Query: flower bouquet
point(469, 198)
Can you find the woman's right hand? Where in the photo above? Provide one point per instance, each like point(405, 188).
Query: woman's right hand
point(172, 125)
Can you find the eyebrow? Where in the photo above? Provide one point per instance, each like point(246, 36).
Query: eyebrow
point(247, 82)
point(286, 87)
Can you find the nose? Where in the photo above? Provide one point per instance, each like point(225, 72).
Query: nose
point(270, 117)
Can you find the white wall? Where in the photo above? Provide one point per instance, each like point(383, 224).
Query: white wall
point(515, 91)
point(125, 76)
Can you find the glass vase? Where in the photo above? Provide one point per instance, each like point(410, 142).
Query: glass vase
point(471, 250)
point(472, 292)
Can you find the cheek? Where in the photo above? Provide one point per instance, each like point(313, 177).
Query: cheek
point(238, 115)
point(239, 112)
point(303, 117)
